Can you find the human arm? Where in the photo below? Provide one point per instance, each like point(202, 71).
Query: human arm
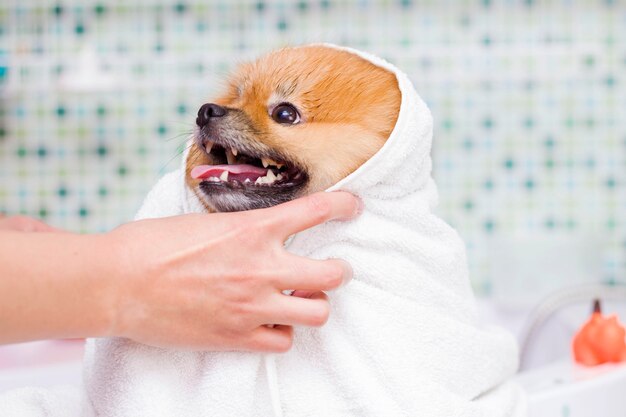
point(195, 281)
point(24, 224)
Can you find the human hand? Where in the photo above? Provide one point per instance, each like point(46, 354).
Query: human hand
point(24, 224)
point(215, 281)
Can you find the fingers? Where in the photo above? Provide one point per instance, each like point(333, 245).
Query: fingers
point(313, 275)
point(306, 212)
point(288, 311)
point(271, 339)
point(292, 310)
point(308, 294)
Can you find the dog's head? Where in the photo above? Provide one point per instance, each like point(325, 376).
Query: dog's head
point(291, 123)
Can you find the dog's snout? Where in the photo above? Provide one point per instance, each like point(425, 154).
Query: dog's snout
point(208, 111)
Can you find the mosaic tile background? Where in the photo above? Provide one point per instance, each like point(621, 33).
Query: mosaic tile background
point(529, 99)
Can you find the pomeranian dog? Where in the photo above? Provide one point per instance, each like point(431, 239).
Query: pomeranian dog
point(293, 122)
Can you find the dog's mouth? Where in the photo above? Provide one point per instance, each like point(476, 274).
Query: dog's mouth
point(251, 180)
point(238, 169)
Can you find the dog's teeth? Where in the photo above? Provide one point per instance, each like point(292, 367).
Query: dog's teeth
point(247, 180)
point(230, 157)
point(267, 162)
point(224, 176)
point(279, 166)
point(234, 151)
point(213, 179)
point(279, 177)
point(208, 146)
point(269, 178)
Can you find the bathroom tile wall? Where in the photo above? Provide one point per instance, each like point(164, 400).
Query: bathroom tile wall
point(97, 99)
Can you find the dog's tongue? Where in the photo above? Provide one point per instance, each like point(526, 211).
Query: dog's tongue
point(240, 170)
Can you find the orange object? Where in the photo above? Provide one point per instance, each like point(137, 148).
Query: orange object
point(600, 340)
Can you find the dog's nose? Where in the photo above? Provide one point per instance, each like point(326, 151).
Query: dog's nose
point(207, 111)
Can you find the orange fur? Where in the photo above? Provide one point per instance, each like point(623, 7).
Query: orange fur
point(348, 107)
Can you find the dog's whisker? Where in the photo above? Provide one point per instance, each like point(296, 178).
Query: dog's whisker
point(178, 153)
point(187, 134)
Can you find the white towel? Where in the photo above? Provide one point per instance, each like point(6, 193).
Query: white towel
point(59, 401)
point(403, 337)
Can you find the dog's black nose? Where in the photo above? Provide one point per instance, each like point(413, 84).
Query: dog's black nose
point(207, 111)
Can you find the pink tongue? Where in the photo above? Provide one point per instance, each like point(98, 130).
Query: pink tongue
point(237, 172)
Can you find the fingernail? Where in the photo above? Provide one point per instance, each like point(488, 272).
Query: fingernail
point(348, 272)
point(302, 293)
point(360, 206)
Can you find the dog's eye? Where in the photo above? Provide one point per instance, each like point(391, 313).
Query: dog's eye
point(286, 113)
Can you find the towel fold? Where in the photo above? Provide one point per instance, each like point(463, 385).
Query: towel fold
point(59, 401)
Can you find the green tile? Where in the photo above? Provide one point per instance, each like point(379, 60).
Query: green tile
point(100, 9)
point(180, 7)
point(57, 10)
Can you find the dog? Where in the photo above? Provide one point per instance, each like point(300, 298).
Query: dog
point(291, 123)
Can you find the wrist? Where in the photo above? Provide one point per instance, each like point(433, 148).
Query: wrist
point(107, 277)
